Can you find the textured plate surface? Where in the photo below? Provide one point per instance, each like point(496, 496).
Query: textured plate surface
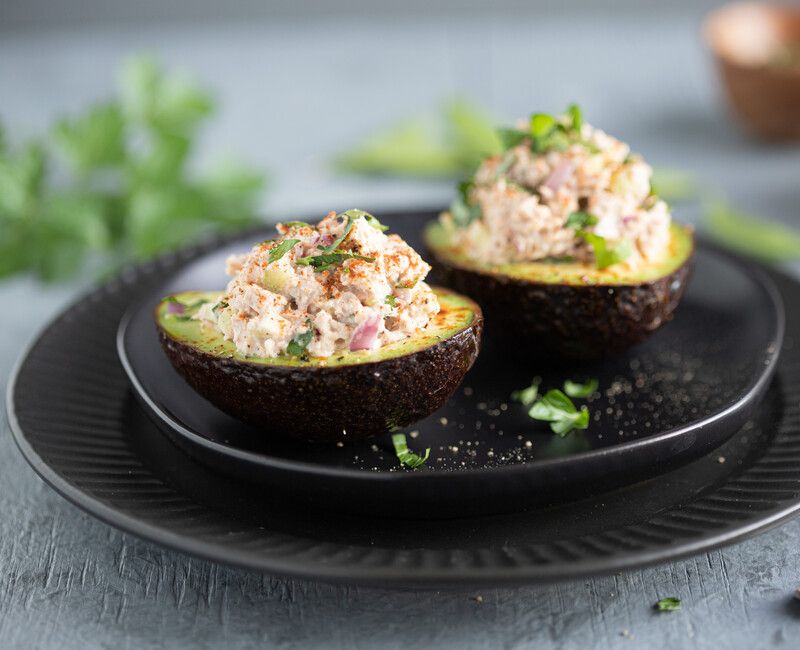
point(666, 401)
point(76, 421)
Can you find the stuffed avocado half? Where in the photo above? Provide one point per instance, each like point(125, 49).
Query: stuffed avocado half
point(563, 242)
point(333, 336)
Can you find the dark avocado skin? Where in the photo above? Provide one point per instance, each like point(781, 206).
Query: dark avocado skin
point(318, 403)
point(553, 321)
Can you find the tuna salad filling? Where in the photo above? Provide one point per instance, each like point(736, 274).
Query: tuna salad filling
point(562, 191)
point(342, 285)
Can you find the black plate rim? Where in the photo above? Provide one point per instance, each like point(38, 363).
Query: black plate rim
point(397, 575)
point(786, 508)
point(754, 392)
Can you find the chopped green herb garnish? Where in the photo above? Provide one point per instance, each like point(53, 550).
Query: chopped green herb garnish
point(580, 219)
point(511, 137)
point(605, 255)
point(574, 389)
point(527, 396)
point(557, 409)
point(404, 455)
point(668, 604)
point(391, 300)
point(462, 211)
point(297, 346)
point(576, 116)
point(372, 221)
point(296, 224)
point(220, 305)
point(281, 249)
point(327, 260)
point(508, 161)
point(348, 227)
point(542, 125)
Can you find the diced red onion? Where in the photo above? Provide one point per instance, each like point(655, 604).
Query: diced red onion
point(366, 334)
point(175, 308)
point(559, 175)
point(326, 240)
point(628, 219)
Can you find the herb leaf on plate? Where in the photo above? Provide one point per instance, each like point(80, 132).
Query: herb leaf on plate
point(578, 390)
point(527, 396)
point(668, 604)
point(557, 409)
point(406, 456)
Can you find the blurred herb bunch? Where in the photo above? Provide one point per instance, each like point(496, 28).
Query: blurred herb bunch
point(115, 181)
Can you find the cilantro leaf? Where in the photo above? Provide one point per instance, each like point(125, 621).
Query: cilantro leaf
point(404, 455)
point(527, 396)
point(542, 124)
point(347, 228)
point(668, 604)
point(605, 255)
point(557, 409)
point(505, 164)
point(580, 219)
point(463, 214)
point(576, 117)
point(391, 300)
point(372, 221)
point(510, 138)
point(113, 181)
point(281, 249)
point(327, 260)
point(575, 389)
point(297, 346)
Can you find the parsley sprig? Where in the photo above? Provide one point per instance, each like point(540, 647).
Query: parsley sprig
point(668, 604)
point(113, 182)
point(405, 455)
point(462, 211)
point(557, 409)
point(297, 346)
point(578, 390)
point(527, 396)
point(606, 255)
point(330, 255)
point(281, 249)
point(329, 260)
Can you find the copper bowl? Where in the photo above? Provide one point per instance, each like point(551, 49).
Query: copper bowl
point(757, 50)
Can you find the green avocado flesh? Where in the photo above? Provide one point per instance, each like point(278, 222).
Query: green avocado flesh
point(457, 313)
point(437, 238)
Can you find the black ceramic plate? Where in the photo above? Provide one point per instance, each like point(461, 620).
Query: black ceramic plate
point(682, 393)
point(76, 421)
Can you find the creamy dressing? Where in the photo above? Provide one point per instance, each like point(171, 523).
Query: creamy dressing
point(364, 290)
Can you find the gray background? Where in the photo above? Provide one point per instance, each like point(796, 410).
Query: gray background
point(298, 82)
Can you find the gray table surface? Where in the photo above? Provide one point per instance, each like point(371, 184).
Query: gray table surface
point(293, 93)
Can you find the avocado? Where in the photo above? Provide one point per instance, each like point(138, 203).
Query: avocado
point(348, 396)
point(566, 309)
